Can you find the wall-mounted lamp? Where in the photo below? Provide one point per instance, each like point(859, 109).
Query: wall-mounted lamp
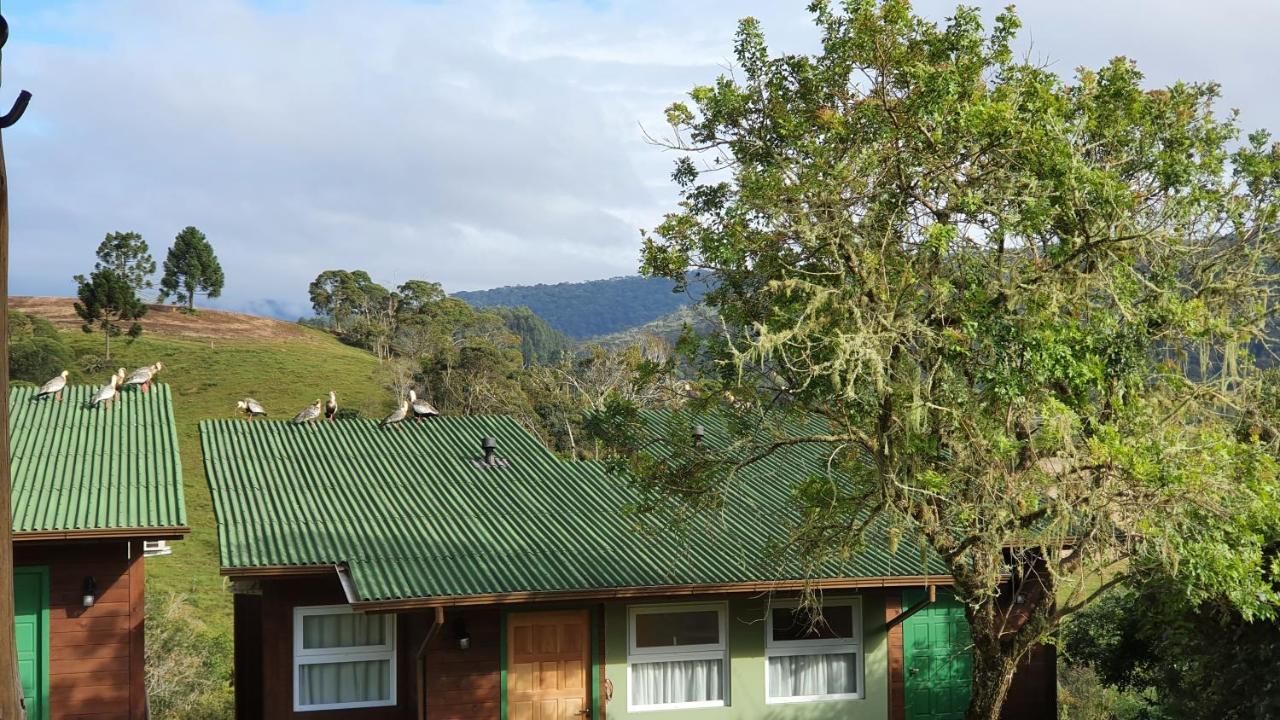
point(461, 635)
point(89, 592)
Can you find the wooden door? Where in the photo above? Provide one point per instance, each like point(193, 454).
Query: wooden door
point(548, 663)
point(31, 628)
point(937, 659)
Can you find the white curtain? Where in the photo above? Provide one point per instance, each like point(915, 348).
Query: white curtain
point(344, 682)
point(324, 683)
point(679, 681)
point(342, 630)
point(804, 675)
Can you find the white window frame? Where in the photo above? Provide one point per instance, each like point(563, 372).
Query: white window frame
point(706, 651)
point(825, 646)
point(320, 656)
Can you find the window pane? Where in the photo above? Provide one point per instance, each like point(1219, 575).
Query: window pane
point(798, 624)
point(805, 675)
point(675, 629)
point(343, 630)
point(344, 682)
point(683, 681)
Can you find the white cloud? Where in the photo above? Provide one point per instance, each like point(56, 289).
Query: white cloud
point(472, 143)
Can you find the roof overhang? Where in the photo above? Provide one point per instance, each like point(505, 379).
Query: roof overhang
point(511, 598)
point(175, 532)
point(268, 571)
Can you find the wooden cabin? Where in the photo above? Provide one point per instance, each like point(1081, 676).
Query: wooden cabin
point(90, 488)
point(400, 573)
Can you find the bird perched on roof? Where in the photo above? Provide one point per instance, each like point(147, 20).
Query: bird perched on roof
point(250, 408)
point(421, 408)
point(398, 415)
point(54, 387)
point(331, 407)
point(106, 394)
point(143, 376)
point(308, 414)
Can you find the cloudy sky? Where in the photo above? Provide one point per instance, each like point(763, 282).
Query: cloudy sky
point(470, 142)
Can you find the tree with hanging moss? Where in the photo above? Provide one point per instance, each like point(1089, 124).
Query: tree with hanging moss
point(1025, 307)
point(191, 267)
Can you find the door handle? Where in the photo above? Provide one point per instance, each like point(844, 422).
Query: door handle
point(915, 671)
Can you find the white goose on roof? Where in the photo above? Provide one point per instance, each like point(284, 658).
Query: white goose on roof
point(107, 393)
point(398, 415)
point(251, 408)
point(143, 376)
point(421, 408)
point(308, 414)
point(54, 387)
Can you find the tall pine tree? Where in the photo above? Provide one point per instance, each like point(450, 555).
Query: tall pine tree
point(107, 300)
point(128, 255)
point(190, 268)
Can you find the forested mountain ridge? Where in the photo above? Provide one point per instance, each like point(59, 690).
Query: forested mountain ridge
point(594, 308)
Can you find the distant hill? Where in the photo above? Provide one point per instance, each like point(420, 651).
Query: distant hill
point(666, 328)
point(590, 309)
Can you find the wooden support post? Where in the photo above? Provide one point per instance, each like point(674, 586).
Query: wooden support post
point(930, 599)
point(11, 701)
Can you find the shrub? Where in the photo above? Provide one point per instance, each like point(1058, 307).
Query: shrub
point(36, 349)
point(188, 664)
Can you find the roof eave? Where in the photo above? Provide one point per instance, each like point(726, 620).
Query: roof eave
point(173, 532)
point(266, 571)
point(648, 591)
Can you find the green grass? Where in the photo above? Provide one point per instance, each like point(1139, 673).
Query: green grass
point(206, 378)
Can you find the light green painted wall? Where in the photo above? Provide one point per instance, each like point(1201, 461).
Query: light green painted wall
point(746, 670)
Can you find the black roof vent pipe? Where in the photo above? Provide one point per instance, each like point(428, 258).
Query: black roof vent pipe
point(490, 447)
point(699, 433)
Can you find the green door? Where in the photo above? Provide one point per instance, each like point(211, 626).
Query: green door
point(936, 658)
point(31, 625)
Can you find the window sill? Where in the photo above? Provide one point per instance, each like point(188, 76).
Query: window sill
point(811, 699)
point(675, 706)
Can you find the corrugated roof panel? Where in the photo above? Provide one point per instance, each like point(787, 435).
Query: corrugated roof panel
point(412, 516)
point(77, 468)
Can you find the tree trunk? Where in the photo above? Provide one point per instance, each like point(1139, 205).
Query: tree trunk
point(11, 703)
point(992, 675)
point(106, 335)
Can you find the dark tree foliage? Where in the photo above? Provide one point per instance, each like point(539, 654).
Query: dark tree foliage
point(37, 351)
point(540, 344)
point(128, 255)
point(107, 300)
point(1020, 303)
point(1202, 661)
point(599, 307)
point(191, 268)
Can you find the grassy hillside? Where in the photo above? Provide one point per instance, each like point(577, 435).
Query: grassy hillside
point(589, 309)
point(211, 361)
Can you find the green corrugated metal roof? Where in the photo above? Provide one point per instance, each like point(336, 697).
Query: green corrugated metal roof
point(411, 516)
point(77, 468)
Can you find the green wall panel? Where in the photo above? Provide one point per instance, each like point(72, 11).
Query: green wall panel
point(746, 687)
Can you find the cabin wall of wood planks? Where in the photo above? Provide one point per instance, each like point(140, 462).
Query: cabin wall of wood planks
point(278, 599)
point(96, 654)
point(462, 685)
point(466, 684)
